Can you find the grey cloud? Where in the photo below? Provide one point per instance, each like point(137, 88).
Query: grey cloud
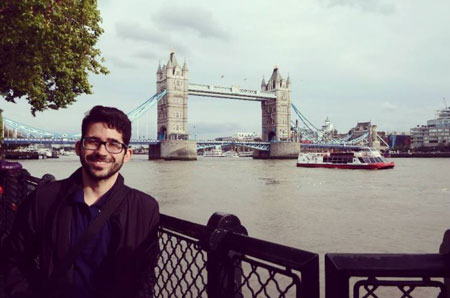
point(138, 33)
point(119, 62)
point(192, 18)
point(388, 106)
point(146, 54)
point(375, 6)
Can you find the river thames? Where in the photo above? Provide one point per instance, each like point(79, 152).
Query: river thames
point(403, 210)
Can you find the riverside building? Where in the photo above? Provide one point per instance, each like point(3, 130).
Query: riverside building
point(435, 133)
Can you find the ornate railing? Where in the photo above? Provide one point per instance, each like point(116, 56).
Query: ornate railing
point(386, 275)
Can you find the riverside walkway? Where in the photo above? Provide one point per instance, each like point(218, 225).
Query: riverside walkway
point(220, 259)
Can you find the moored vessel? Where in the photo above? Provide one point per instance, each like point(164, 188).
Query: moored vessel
point(344, 157)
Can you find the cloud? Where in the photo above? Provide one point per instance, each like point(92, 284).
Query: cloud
point(146, 54)
point(121, 63)
point(138, 33)
point(388, 106)
point(374, 6)
point(196, 19)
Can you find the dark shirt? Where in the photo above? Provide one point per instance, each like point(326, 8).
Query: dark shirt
point(94, 251)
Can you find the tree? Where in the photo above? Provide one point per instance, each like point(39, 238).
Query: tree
point(47, 50)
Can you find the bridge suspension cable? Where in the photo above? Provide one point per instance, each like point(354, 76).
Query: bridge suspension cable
point(305, 121)
point(28, 130)
point(142, 108)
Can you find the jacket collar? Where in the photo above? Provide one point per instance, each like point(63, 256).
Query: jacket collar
point(75, 182)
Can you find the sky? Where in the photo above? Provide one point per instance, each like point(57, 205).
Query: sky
point(383, 61)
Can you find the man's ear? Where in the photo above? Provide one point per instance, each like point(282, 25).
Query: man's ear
point(78, 148)
point(128, 154)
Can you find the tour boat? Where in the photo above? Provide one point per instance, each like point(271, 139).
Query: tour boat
point(342, 157)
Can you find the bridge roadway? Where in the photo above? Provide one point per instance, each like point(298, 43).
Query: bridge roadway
point(229, 92)
point(262, 146)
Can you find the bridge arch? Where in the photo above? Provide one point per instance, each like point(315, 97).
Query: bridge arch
point(162, 133)
point(272, 136)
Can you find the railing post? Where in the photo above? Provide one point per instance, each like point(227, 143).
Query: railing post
point(223, 275)
point(310, 280)
point(445, 249)
point(336, 283)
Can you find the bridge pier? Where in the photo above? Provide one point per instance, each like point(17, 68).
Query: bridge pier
point(173, 150)
point(279, 150)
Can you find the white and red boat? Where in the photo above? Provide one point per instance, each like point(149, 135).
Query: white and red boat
point(344, 157)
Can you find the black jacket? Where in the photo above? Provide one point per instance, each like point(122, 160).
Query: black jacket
point(40, 239)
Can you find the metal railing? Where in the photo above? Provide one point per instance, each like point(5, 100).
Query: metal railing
point(386, 275)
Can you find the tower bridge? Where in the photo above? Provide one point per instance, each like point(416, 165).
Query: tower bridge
point(172, 92)
point(172, 119)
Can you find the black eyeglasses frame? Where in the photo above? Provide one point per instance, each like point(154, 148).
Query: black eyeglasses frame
point(100, 143)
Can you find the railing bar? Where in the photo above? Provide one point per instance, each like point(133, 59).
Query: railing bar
point(284, 271)
point(272, 252)
point(181, 226)
point(179, 236)
point(392, 265)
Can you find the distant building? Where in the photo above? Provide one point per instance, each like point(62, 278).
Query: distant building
point(362, 128)
point(328, 132)
point(241, 136)
point(399, 141)
point(435, 133)
point(246, 136)
point(365, 133)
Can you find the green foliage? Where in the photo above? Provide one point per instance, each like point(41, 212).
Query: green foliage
point(47, 50)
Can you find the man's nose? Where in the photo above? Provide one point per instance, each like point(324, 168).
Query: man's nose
point(102, 149)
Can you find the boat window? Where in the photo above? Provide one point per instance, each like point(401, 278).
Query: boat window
point(361, 159)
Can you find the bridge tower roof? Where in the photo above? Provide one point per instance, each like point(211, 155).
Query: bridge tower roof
point(159, 71)
point(172, 60)
point(276, 76)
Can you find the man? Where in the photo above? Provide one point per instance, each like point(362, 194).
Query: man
point(117, 225)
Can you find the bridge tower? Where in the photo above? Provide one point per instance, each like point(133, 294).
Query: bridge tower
point(172, 113)
point(172, 108)
point(276, 119)
point(276, 113)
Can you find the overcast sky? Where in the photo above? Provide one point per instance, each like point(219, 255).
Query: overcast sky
point(350, 60)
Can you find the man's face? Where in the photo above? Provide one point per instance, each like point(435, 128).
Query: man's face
point(99, 164)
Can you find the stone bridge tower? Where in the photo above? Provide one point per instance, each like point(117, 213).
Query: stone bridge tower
point(172, 108)
point(172, 114)
point(276, 113)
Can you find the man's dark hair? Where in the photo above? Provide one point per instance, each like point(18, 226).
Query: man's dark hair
point(112, 117)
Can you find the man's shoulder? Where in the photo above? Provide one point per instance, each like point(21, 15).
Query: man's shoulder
point(141, 198)
point(49, 189)
point(50, 185)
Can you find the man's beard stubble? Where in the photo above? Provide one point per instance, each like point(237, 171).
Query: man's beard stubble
point(116, 166)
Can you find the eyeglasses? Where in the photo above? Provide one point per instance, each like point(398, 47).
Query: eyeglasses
point(114, 147)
